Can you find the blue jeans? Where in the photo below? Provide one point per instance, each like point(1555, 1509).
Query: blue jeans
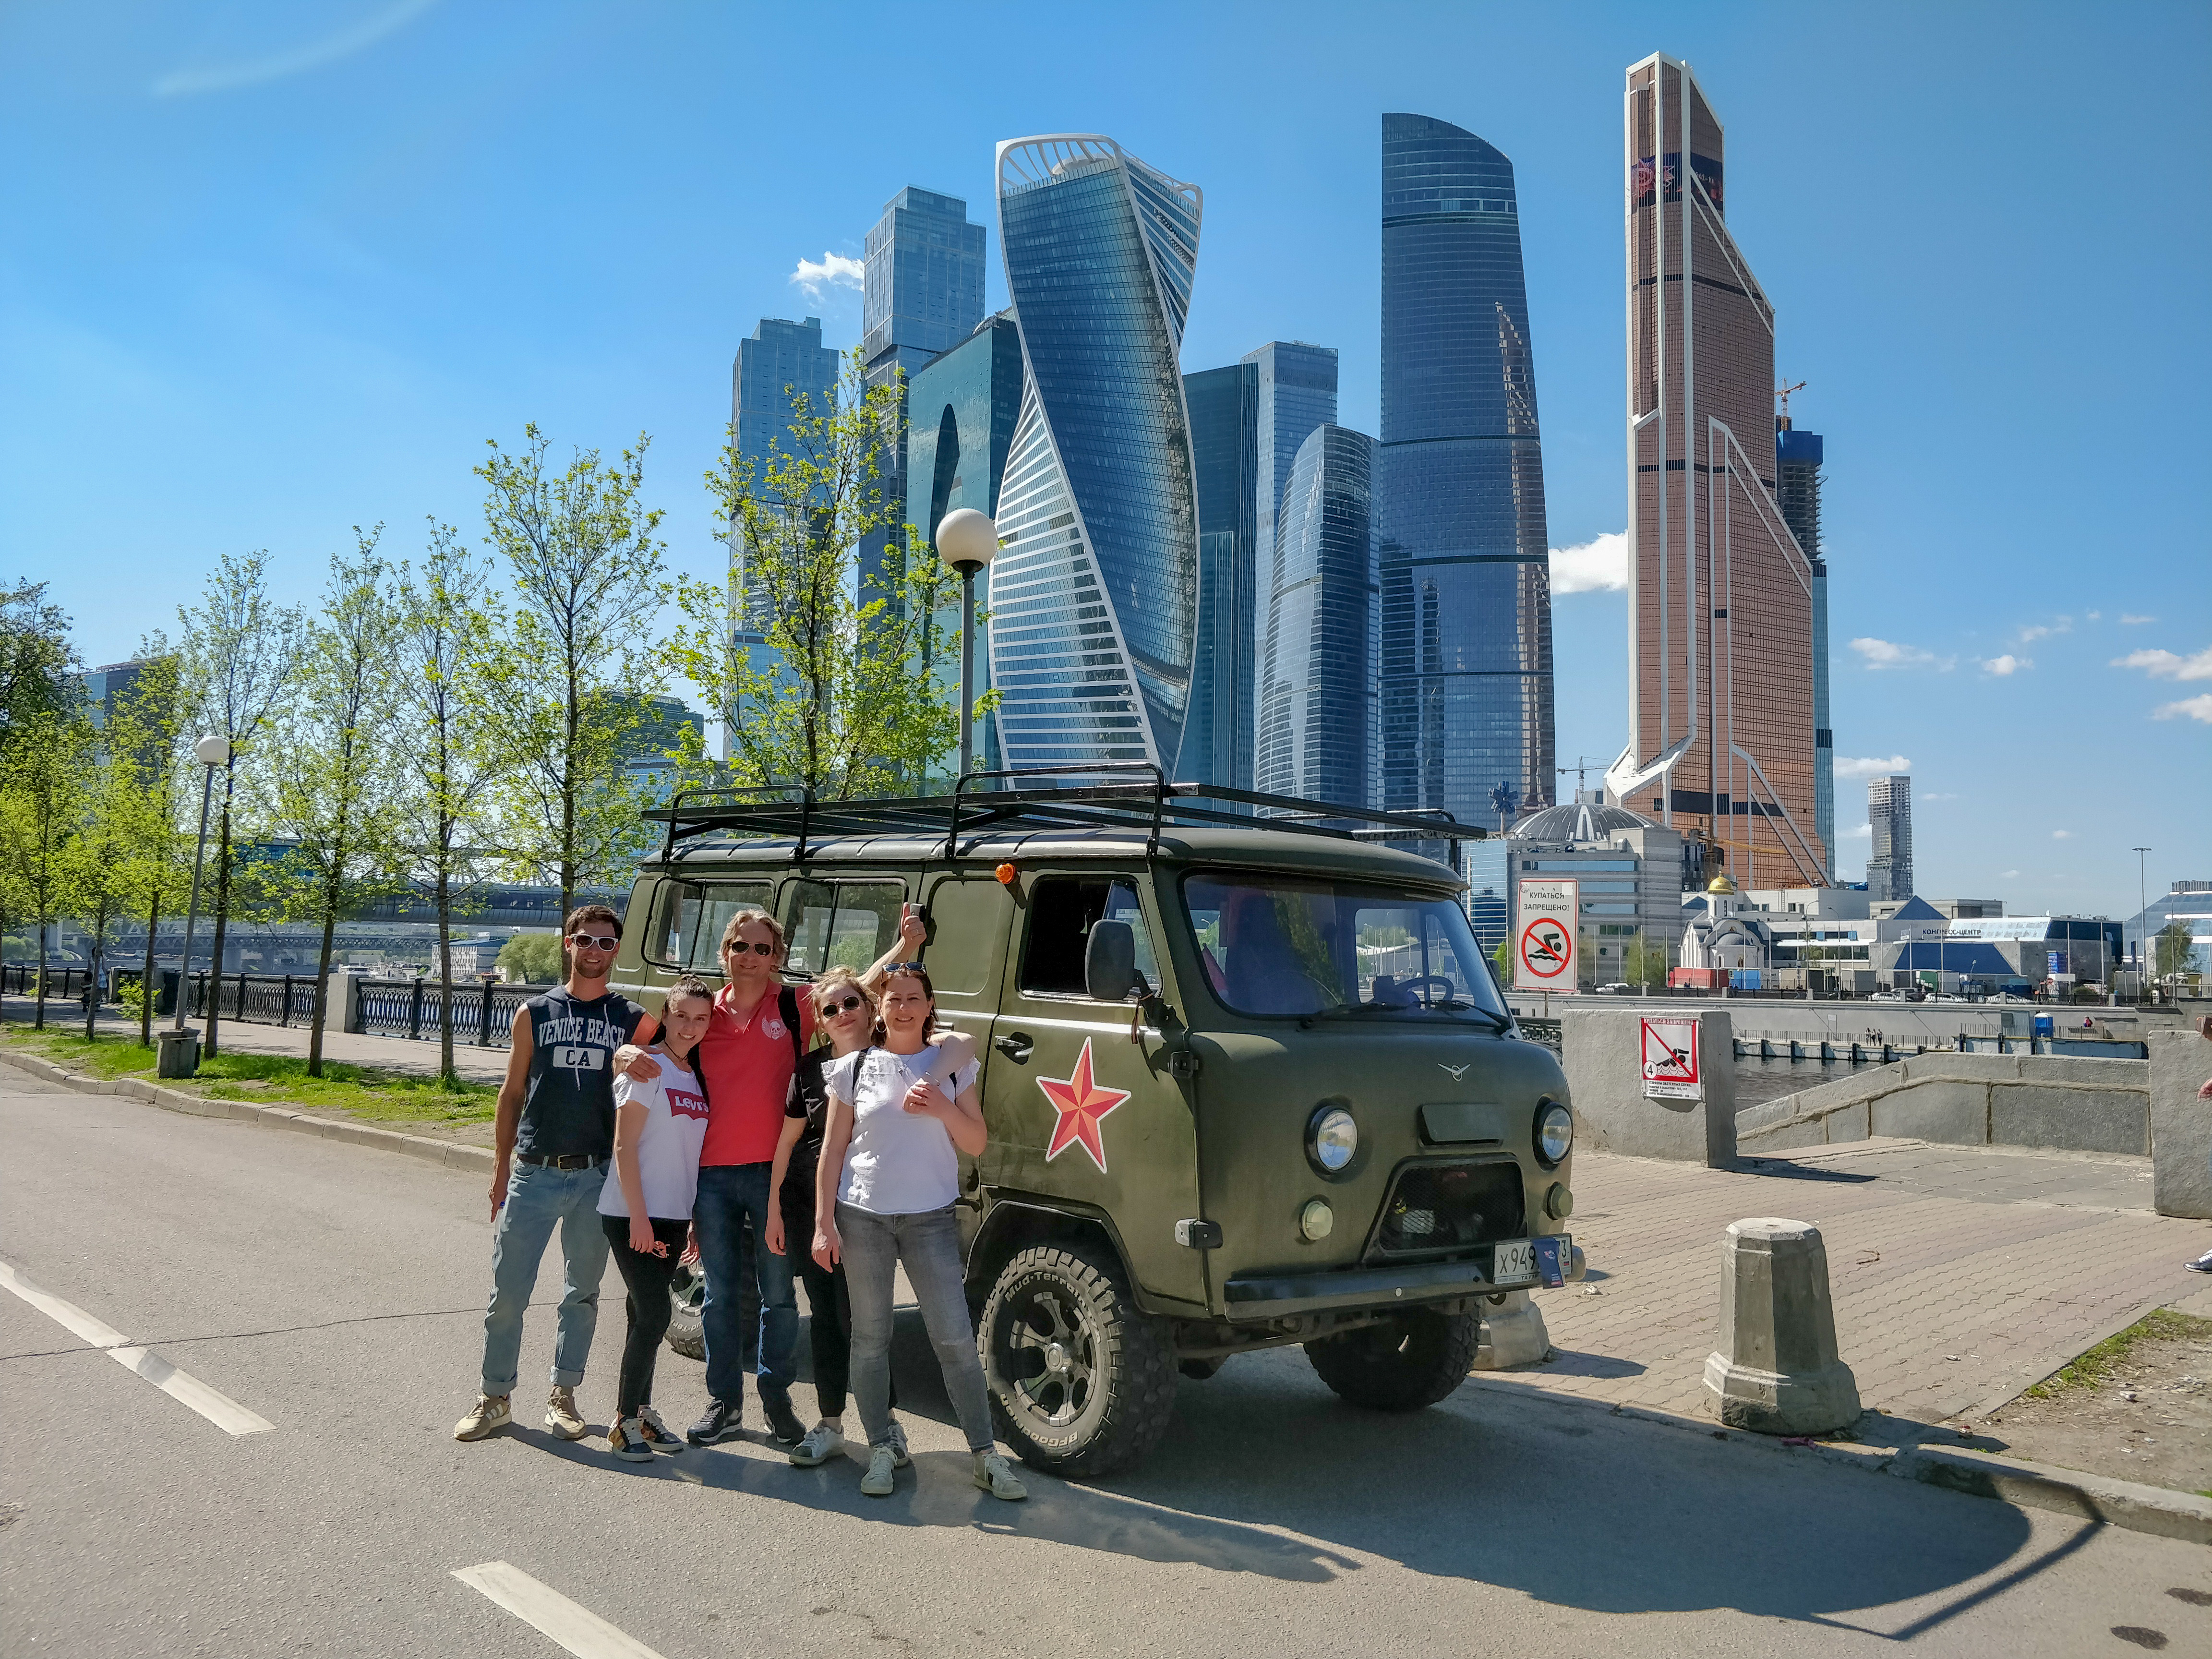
point(539, 1200)
point(728, 1194)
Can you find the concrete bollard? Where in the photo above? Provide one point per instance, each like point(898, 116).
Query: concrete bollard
point(1778, 1372)
point(1511, 1336)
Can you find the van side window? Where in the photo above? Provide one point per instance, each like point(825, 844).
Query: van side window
point(1061, 911)
point(845, 924)
point(688, 919)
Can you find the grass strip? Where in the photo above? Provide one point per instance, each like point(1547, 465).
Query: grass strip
point(2101, 1363)
point(370, 1093)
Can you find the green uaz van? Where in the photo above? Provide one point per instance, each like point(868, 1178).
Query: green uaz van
point(1247, 1075)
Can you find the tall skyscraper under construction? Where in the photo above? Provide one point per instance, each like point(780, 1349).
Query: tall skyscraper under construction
point(1463, 568)
point(1721, 688)
point(1798, 455)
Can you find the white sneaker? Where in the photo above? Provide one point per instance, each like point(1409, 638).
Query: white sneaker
point(876, 1482)
point(900, 1456)
point(491, 1412)
point(994, 1476)
point(822, 1443)
point(627, 1441)
point(561, 1417)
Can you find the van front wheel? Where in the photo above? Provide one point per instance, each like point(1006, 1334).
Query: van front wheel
point(1082, 1380)
point(1400, 1364)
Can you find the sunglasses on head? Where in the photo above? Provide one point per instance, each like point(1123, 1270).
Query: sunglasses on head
point(594, 942)
point(739, 947)
point(831, 1010)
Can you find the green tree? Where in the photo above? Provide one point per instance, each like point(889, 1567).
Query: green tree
point(38, 666)
point(532, 959)
point(577, 663)
point(240, 651)
point(46, 785)
point(144, 789)
point(1644, 962)
point(815, 682)
point(2171, 946)
point(331, 772)
point(449, 630)
point(1502, 955)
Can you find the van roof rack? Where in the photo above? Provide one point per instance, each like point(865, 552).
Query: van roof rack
point(1089, 795)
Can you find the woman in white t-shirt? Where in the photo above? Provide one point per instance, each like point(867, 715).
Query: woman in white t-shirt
point(659, 1123)
point(901, 1113)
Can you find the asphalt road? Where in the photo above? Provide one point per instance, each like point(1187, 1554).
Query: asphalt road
point(336, 1292)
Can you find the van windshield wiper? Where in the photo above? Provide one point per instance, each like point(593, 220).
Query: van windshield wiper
point(1454, 1006)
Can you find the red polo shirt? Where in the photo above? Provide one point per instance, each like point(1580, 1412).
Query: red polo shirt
point(747, 1065)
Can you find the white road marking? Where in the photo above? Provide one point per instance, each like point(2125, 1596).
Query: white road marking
point(219, 1409)
point(577, 1629)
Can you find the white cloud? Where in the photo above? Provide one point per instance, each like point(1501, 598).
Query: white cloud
point(2195, 708)
point(2165, 665)
point(2061, 834)
point(1595, 567)
point(2096, 616)
point(2129, 620)
point(2006, 665)
point(1885, 653)
point(835, 272)
point(2009, 875)
point(2044, 631)
point(1932, 796)
point(1865, 832)
point(1849, 766)
point(298, 60)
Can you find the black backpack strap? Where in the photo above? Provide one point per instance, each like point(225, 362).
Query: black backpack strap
point(787, 1001)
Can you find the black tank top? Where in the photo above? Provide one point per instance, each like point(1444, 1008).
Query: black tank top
point(569, 1105)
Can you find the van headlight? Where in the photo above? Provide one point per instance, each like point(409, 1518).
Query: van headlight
point(1555, 1132)
point(1332, 1138)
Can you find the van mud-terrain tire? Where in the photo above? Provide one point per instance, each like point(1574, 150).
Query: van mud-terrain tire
point(1402, 1363)
point(1082, 1381)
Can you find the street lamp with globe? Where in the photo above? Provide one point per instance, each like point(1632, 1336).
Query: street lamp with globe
point(967, 541)
point(179, 1055)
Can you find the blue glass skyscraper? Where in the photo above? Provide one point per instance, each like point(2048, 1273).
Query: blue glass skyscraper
point(1094, 594)
point(961, 410)
point(1224, 440)
point(1463, 569)
point(782, 362)
point(1316, 698)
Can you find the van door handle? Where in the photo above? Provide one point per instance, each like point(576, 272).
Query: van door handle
point(1016, 1046)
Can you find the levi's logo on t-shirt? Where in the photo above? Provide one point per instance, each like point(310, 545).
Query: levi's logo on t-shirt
point(683, 1103)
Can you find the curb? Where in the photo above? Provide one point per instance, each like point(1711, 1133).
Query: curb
point(448, 1154)
point(2156, 1510)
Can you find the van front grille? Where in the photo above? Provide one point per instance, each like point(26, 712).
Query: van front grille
point(1437, 1209)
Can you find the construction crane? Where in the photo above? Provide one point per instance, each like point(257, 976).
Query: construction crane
point(1581, 769)
point(1783, 392)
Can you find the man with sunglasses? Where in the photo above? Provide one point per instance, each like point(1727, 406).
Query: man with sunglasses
point(553, 1139)
point(752, 1047)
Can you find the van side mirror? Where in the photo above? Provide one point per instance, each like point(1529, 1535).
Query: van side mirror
point(1110, 962)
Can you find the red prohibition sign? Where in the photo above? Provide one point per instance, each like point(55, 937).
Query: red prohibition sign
point(1544, 954)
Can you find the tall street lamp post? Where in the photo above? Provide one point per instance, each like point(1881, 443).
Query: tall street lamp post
point(2142, 939)
point(967, 541)
point(180, 1050)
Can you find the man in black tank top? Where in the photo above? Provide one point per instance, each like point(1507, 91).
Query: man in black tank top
point(553, 1139)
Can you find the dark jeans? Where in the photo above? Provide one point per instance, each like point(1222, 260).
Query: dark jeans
point(830, 1314)
point(729, 1195)
point(646, 1278)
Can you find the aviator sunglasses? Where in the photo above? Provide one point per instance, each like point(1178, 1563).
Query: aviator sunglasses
point(739, 947)
point(831, 1010)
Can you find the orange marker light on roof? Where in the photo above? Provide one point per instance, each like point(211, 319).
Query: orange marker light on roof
point(1006, 873)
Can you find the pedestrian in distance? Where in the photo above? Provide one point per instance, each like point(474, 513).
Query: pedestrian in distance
point(884, 1198)
point(646, 1209)
point(551, 1141)
point(845, 1008)
point(759, 1029)
point(2203, 1263)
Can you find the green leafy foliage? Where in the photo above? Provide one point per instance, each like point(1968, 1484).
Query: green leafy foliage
point(532, 959)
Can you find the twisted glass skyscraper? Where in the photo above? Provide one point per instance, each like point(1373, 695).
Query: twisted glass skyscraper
point(1463, 570)
point(1094, 593)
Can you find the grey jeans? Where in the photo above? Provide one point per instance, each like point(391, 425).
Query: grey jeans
point(928, 1244)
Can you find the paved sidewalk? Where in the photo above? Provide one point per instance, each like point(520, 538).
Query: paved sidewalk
point(1961, 1275)
point(245, 1037)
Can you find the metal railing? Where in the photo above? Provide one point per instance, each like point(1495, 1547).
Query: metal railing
point(256, 999)
point(483, 1014)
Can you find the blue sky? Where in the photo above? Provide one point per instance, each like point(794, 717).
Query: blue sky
point(272, 270)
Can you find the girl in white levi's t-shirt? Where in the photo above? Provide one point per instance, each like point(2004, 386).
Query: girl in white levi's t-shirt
point(646, 1206)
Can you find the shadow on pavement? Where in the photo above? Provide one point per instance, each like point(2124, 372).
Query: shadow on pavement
point(1781, 1168)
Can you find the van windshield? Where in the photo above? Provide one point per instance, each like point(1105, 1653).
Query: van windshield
point(1288, 946)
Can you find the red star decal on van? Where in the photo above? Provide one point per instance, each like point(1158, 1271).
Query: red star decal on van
point(1081, 1104)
